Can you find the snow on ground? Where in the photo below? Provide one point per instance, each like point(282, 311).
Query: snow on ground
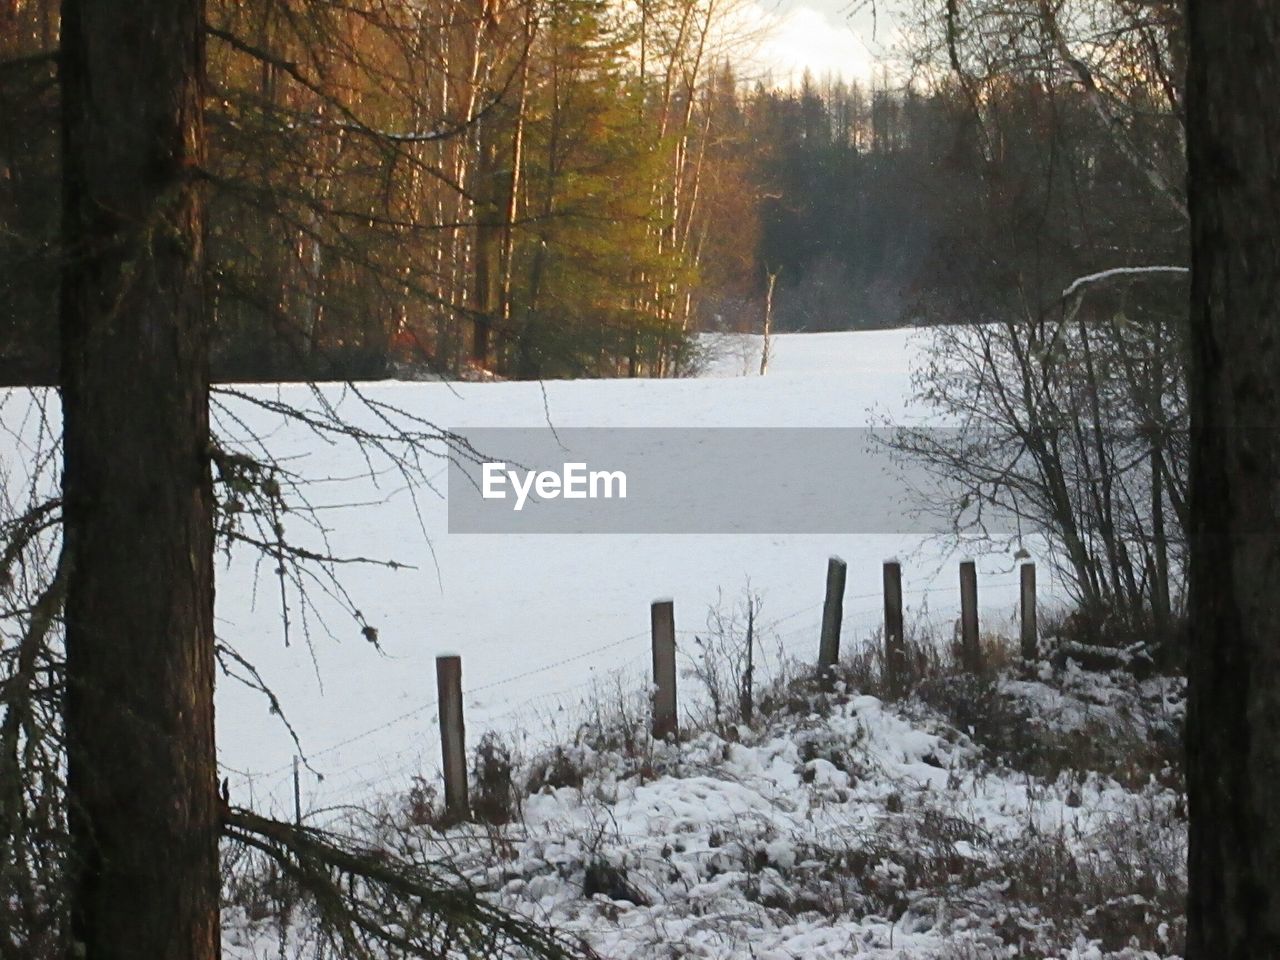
point(838, 827)
point(839, 830)
point(535, 618)
point(538, 618)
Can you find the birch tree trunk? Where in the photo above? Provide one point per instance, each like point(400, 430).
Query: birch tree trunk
point(767, 341)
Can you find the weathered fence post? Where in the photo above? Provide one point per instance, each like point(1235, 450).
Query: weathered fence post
point(1030, 644)
point(662, 620)
point(453, 738)
point(895, 644)
point(970, 651)
point(832, 617)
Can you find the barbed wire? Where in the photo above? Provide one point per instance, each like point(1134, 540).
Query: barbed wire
point(416, 711)
point(789, 641)
point(551, 666)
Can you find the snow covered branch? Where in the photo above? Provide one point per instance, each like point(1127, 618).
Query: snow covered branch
point(1081, 282)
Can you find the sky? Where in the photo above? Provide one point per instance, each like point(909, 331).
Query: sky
point(840, 37)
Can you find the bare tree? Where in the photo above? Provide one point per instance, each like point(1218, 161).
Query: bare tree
point(1065, 376)
point(1076, 430)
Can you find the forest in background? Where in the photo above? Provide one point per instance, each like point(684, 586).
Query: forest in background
point(560, 188)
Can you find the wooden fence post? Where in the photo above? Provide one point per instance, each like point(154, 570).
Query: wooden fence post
point(970, 650)
point(895, 644)
point(832, 617)
point(1030, 644)
point(662, 621)
point(453, 738)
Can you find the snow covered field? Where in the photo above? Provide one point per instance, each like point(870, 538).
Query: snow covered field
point(1039, 816)
point(538, 618)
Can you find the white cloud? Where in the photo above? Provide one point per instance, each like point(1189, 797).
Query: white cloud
point(806, 38)
point(785, 44)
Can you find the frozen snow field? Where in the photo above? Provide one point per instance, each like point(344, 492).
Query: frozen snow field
point(536, 618)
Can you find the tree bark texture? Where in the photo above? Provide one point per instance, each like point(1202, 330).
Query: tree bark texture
point(1233, 722)
point(138, 501)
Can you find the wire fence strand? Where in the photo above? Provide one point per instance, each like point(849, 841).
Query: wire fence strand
point(334, 785)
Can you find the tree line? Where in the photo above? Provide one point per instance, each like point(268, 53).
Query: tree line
point(559, 188)
point(1056, 274)
point(483, 187)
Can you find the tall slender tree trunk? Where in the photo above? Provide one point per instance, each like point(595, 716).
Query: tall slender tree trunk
point(141, 794)
point(487, 269)
point(529, 358)
point(767, 340)
point(514, 180)
point(1233, 721)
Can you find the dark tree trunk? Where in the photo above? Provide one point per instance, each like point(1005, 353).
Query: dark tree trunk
point(137, 495)
point(1233, 723)
point(486, 288)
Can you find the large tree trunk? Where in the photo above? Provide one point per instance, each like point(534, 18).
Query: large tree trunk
point(141, 791)
point(1233, 723)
